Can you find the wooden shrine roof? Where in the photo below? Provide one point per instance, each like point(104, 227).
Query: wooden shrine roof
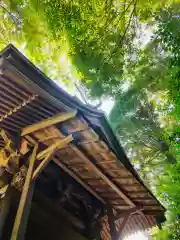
point(95, 158)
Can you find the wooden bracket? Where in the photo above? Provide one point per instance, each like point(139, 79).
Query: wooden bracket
point(130, 211)
point(48, 153)
point(123, 224)
point(46, 123)
point(126, 215)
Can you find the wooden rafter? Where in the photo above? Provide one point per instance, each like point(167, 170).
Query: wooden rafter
point(130, 211)
point(106, 162)
point(44, 139)
point(79, 180)
point(57, 145)
point(92, 140)
point(104, 177)
point(121, 207)
point(30, 140)
point(81, 128)
point(48, 122)
point(71, 173)
point(18, 107)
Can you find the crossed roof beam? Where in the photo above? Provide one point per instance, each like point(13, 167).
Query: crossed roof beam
point(47, 155)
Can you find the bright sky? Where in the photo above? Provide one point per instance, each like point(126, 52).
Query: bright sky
point(107, 105)
point(137, 236)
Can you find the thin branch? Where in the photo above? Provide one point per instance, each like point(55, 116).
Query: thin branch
point(81, 93)
point(121, 40)
point(131, 16)
point(114, 18)
point(10, 14)
point(123, 13)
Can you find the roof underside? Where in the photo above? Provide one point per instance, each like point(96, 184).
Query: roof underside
point(94, 159)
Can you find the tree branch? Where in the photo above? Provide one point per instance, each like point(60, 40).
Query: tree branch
point(9, 13)
point(105, 27)
point(121, 40)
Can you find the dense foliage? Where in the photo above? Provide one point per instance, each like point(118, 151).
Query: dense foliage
point(99, 46)
point(146, 116)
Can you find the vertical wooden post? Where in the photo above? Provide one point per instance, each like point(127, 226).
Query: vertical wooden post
point(4, 208)
point(25, 201)
point(111, 222)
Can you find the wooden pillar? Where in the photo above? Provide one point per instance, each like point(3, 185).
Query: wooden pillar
point(4, 208)
point(111, 222)
point(21, 219)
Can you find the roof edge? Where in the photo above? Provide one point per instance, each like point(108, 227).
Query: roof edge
point(92, 115)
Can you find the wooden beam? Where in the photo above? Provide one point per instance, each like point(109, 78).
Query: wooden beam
point(49, 138)
point(122, 226)
point(30, 140)
point(93, 140)
point(57, 145)
point(121, 207)
point(111, 222)
point(130, 211)
point(41, 166)
point(25, 201)
point(106, 162)
point(48, 155)
point(143, 217)
point(75, 130)
point(104, 177)
point(48, 122)
point(79, 180)
point(83, 127)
